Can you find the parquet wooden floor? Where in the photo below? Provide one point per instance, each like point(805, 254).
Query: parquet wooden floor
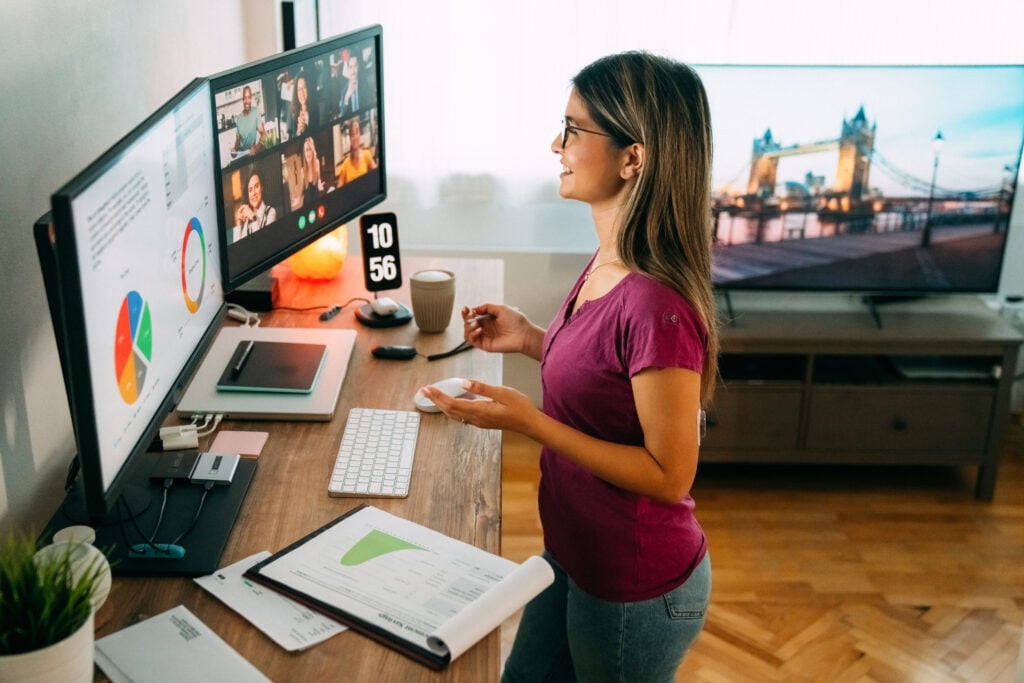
point(841, 573)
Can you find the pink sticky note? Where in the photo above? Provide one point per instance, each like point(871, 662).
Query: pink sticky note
point(243, 443)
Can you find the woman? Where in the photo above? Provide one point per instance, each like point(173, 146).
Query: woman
point(626, 365)
point(303, 117)
point(312, 185)
point(358, 161)
point(254, 215)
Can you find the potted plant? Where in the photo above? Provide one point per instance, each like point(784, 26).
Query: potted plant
point(46, 609)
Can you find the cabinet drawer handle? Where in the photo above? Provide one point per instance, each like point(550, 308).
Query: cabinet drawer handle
point(899, 424)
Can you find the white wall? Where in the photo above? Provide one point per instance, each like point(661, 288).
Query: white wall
point(474, 91)
point(76, 77)
point(79, 74)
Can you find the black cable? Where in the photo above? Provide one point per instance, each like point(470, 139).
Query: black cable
point(135, 524)
point(302, 310)
point(206, 490)
point(338, 308)
point(464, 346)
point(151, 540)
point(120, 523)
point(73, 468)
point(163, 505)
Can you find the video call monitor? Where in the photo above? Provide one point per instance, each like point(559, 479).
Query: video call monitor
point(136, 257)
point(299, 146)
point(872, 179)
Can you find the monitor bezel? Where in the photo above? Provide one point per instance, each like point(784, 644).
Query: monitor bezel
point(233, 77)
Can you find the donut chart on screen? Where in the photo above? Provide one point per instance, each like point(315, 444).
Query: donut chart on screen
point(133, 346)
point(191, 260)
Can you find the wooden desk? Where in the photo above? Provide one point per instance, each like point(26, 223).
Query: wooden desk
point(455, 488)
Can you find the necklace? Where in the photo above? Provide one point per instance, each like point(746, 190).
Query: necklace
point(606, 263)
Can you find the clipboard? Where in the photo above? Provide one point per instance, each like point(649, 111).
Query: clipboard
point(349, 568)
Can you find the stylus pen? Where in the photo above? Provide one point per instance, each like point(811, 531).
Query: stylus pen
point(489, 316)
point(237, 370)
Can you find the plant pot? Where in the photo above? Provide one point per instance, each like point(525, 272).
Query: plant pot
point(68, 661)
point(75, 543)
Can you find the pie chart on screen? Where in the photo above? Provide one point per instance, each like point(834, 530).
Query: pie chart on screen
point(193, 265)
point(133, 346)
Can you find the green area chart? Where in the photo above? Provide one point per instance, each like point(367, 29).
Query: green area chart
point(373, 545)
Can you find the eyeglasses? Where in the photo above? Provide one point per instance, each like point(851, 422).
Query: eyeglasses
point(567, 127)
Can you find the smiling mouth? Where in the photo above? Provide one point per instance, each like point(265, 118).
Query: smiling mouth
point(566, 170)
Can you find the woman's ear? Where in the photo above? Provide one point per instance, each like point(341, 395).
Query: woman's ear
point(633, 161)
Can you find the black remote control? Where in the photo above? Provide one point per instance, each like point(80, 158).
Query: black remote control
point(394, 352)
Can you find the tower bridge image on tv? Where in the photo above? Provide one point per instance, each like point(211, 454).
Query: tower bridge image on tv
point(774, 229)
point(855, 144)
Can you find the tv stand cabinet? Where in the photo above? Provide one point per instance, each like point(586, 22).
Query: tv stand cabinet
point(806, 387)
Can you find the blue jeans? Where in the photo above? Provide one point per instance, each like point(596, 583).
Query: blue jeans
point(568, 635)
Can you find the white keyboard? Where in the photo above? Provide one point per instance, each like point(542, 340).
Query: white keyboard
point(376, 453)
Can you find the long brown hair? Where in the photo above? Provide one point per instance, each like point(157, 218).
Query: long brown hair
point(310, 170)
point(666, 225)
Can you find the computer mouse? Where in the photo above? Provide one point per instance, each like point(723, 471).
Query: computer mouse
point(451, 386)
point(384, 306)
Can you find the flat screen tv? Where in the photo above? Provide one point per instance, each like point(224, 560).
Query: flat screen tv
point(883, 180)
point(299, 146)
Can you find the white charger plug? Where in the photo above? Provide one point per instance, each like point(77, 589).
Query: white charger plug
point(179, 437)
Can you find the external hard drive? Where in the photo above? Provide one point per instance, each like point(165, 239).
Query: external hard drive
point(216, 467)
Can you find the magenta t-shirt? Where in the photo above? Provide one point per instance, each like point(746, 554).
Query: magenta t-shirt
point(616, 545)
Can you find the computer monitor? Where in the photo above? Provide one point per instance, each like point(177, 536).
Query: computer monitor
point(139, 296)
point(299, 146)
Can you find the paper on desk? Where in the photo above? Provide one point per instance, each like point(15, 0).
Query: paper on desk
point(486, 613)
point(286, 622)
point(170, 647)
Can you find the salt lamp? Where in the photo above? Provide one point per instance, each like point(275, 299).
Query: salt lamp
point(323, 259)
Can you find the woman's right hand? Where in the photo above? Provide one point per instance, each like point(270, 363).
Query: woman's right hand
point(243, 214)
point(501, 329)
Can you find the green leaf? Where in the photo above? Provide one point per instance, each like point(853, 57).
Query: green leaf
point(40, 602)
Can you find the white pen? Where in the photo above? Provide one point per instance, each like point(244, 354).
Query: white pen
point(488, 316)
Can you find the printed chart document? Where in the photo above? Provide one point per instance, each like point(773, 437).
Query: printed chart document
point(170, 647)
point(413, 589)
point(289, 624)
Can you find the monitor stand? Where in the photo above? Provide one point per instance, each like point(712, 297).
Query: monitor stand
point(203, 398)
point(874, 301)
point(119, 532)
